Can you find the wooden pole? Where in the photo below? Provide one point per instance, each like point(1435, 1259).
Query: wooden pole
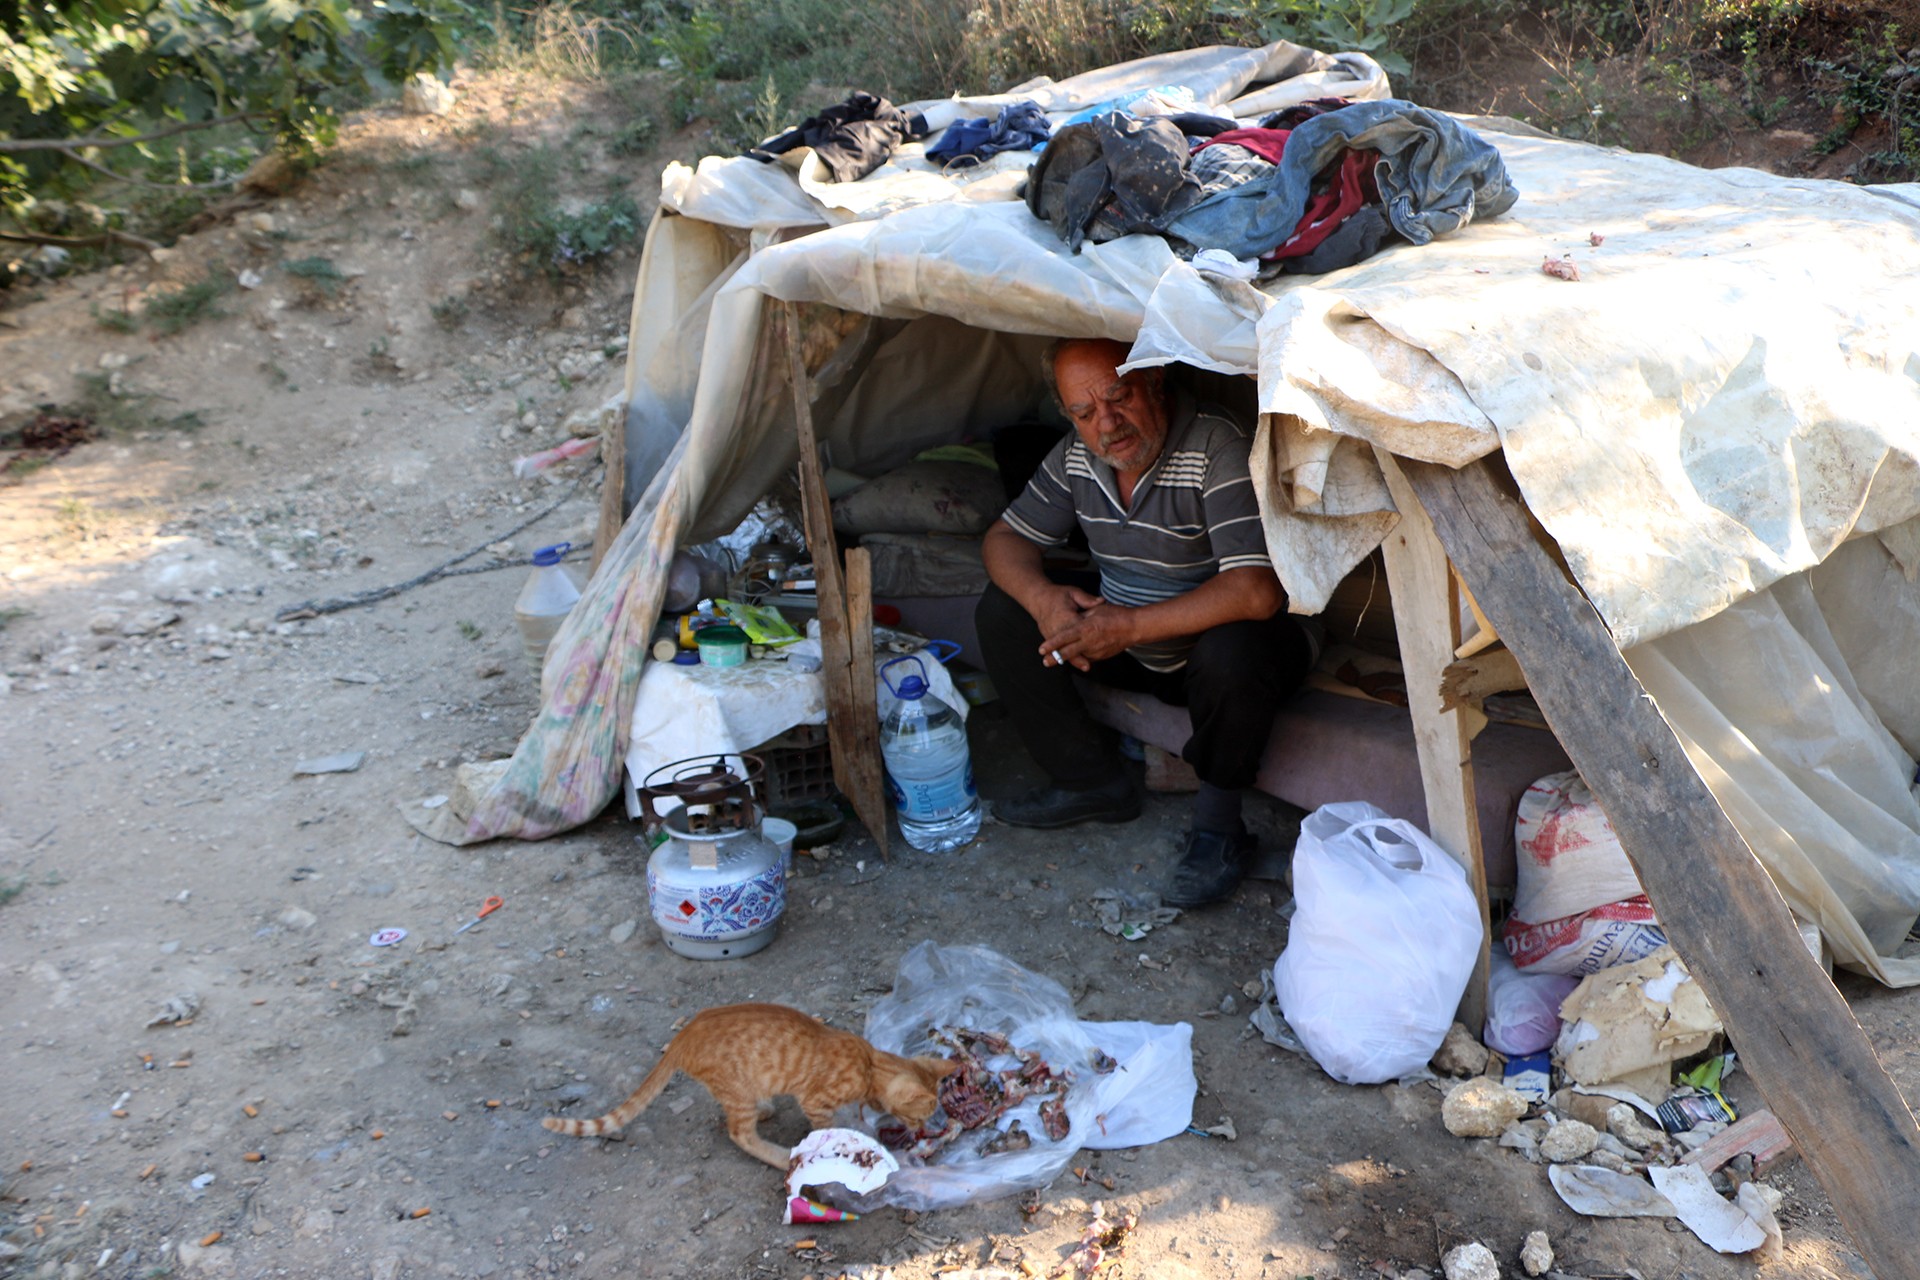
point(1426, 615)
point(854, 742)
point(1716, 902)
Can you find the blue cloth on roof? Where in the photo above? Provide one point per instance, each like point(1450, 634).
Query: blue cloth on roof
point(1021, 126)
point(1435, 176)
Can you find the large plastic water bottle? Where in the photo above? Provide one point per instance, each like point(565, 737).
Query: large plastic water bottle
point(544, 603)
point(924, 742)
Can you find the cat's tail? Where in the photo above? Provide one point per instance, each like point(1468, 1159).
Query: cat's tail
point(650, 1088)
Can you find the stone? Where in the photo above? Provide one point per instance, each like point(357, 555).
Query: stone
point(426, 96)
point(623, 931)
point(314, 1223)
point(261, 222)
point(467, 198)
point(1460, 1054)
point(1481, 1108)
point(1624, 1123)
point(1569, 1140)
point(298, 919)
point(1471, 1262)
point(148, 621)
point(105, 622)
point(213, 1257)
point(1536, 1255)
point(386, 1267)
point(1590, 1108)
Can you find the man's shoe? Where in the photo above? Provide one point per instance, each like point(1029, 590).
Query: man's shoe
point(1210, 866)
point(1049, 807)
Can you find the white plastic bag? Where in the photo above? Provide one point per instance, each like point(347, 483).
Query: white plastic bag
point(1566, 857)
point(1523, 1009)
point(1383, 941)
point(1146, 1098)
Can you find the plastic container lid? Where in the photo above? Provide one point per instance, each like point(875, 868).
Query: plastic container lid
point(547, 556)
point(723, 636)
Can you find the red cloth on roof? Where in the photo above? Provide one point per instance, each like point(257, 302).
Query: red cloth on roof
point(1351, 186)
point(1265, 143)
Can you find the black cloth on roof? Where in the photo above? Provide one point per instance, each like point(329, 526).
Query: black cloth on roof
point(1111, 176)
point(852, 138)
point(1300, 112)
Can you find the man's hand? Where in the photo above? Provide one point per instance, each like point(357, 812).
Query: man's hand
point(1096, 634)
point(1059, 607)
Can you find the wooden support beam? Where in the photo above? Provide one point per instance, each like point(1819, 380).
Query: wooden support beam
point(866, 696)
point(613, 486)
point(855, 745)
point(1426, 616)
point(1468, 682)
point(1716, 902)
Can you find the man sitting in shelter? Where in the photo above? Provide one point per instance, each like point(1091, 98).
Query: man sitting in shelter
point(1189, 608)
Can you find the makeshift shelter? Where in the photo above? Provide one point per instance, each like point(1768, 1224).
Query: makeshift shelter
point(1717, 423)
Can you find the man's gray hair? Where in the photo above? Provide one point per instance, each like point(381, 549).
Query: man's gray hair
point(1051, 355)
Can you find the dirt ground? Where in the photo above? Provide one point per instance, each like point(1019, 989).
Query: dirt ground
point(338, 1110)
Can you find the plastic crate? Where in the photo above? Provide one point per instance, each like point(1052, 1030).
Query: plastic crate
point(799, 766)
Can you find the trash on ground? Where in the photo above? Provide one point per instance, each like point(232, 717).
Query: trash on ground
point(1631, 1022)
point(1131, 915)
point(1386, 935)
point(1523, 1009)
point(386, 937)
point(978, 1094)
point(338, 762)
point(1758, 1134)
point(1605, 1193)
point(535, 463)
point(176, 1010)
point(843, 1157)
point(1721, 1223)
point(1528, 1076)
point(202, 1182)
point(1126, 1084)
point(1102, 1244)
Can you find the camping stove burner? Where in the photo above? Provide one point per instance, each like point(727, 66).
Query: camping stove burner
point(717, 796)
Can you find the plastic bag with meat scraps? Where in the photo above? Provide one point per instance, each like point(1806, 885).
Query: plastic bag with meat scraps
point(1147, 1097)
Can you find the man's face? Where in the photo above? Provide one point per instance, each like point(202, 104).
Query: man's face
point(1122, 421)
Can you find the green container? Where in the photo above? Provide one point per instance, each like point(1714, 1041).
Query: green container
point(721, 646)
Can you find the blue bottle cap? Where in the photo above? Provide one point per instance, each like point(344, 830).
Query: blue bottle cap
point(552, 555)
point(912, 688)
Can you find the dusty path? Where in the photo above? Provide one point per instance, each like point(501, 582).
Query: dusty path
point(154, 842)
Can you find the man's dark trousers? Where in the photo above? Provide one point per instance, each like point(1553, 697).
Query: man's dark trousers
point(1235, 679)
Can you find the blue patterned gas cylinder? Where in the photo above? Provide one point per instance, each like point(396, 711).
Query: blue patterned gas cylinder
point(716, 895)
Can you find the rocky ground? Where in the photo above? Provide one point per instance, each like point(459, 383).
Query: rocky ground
point(332, 1109)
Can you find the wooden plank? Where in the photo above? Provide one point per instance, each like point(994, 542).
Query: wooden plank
point(1426, 616)
point(1471, 681)
point(856, 757)
point(1717, 904)
point(866, 699)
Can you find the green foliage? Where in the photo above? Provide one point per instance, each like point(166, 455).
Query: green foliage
point(534, 226)
point(1364, 25)
point(319, 274)
point(636, 138)
point(450, 312)
point(125, 414)
point(120, 70)
point(187, 305)
point(1875, 82)
point(118, 321)
point(470, 630)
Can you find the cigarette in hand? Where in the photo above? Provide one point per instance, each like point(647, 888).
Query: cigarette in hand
point(1058, 661)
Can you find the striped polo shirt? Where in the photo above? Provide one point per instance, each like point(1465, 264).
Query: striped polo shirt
point(1193, 515)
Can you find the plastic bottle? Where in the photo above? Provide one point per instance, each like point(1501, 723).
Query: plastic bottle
point(544, 603)
point(924, 743)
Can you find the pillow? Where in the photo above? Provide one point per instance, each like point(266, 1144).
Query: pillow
point(922, 497)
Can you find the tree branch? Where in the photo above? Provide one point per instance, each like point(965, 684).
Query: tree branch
point(97, 167)
point(67, 144)
point(82, 242)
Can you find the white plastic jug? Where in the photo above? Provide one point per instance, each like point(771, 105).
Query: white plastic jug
point(544, 603)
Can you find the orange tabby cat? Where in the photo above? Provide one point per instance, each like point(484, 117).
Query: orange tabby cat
point(749, 1054)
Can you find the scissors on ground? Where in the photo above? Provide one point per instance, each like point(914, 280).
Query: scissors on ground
point(487, 908)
